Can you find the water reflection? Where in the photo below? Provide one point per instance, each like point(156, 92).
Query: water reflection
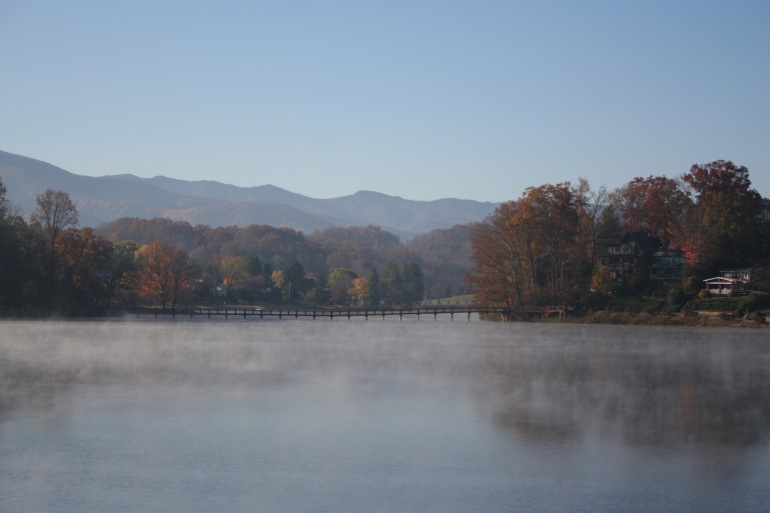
point(657, 386)
point(325, 416)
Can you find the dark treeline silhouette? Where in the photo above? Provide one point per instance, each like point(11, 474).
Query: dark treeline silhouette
point(48, 265)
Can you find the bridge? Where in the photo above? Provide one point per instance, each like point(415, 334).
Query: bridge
point(349, 313)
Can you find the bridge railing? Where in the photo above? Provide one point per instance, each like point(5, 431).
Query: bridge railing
point(245, 312)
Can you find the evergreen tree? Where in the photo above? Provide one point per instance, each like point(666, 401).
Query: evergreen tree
point(373, 283)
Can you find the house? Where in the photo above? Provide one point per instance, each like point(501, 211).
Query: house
point(627, 256)
point(732, 281)
point(721, 286)
point(746, 274)
point(666, 268)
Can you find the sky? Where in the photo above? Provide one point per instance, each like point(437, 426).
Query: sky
point(419, 99)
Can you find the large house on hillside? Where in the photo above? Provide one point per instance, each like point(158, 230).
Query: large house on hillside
point(619, 259)
point(666, 268)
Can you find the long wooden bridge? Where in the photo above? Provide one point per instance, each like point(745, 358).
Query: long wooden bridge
point(332, 313)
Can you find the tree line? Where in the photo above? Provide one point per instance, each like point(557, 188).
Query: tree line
point(542, 247)
point(49, 264)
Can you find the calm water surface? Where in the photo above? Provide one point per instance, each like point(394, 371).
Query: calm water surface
point(352, 416)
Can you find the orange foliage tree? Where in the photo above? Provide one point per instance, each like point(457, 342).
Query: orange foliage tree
point(165, 273)
point(87, 262)
point(729, 221)
point(656, 205)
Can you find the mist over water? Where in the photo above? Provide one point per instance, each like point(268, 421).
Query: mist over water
point(292, 415)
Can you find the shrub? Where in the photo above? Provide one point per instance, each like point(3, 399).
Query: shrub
point(670, 308)
point(747, 304)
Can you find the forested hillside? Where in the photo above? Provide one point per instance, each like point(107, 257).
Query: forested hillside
point(545, 246)
point(49, 264)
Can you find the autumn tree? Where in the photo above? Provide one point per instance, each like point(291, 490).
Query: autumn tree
point(55, 212)
point(340, 283)
point(359, 291)
point(233, 271)
point(498, 275)
point(165, 273)
point(87, 260)
point(547, 220)
point(319, 291)
point(529, 250)
point(591, 205)
point(728, 219)
point(656, 205)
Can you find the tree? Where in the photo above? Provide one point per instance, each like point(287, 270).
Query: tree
point(165, 273)
point(402, 285)
point(87, 262)
point(392, 284)
point(55, 212)
point(530, 250)
point(498, 273)
point(122, 283)
point(233, 271)
point(359, 291)
point(319, 291)
point(254, 281)
point(656, 205)
point(4, 205)
point(373, 288)
point(295, 281)
point(16, 260)
point(590, 206)
point(340, 282)
point(413, 283)
point(444, 256)
point(728, 219)
point(547, 220)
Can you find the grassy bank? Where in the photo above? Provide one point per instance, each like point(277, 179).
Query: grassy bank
point(662, 319)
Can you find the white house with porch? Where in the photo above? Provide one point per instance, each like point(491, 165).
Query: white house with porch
point(721, 286)
point(734, 281)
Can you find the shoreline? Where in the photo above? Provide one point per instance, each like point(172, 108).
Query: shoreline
point(597, 318)
point(657, 319)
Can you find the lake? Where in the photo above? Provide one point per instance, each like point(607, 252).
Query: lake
point(352, 416)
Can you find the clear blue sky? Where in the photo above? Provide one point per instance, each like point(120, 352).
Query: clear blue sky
point(419, 99)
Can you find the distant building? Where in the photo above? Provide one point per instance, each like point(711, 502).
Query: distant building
point(747, 274)
point(733, 282)
point(666, 268)
point(720, 286)
point(627, 256)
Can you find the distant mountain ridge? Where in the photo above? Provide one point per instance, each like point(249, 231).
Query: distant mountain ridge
point(106, 198)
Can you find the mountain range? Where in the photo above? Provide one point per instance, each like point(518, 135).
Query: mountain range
point(106, 198)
